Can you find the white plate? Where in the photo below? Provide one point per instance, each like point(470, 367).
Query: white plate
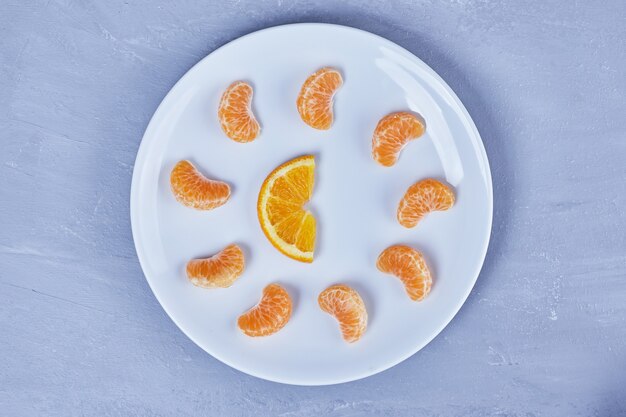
point(354, 201)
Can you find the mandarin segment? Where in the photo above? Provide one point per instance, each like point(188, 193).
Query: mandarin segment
point(193, 189)
point(409, 266)
point(422, 198)
point(235, 113)
point(347, 306)
point(288, 226)
point(270, 315)
point(315, 101)
point(219, 271)
point(392, 134)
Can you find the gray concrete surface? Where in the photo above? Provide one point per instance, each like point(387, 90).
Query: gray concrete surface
point(544, 331)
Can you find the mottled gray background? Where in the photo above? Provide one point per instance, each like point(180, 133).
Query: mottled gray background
point(543, 332)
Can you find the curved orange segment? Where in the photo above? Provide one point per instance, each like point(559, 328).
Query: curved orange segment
point(315, 101)
point(270, 315)
point(422, 198)
point(218, 271)
point(193, 189)
point(347, 306)
point(235, 113)
point(409, 266)
point(392, 134)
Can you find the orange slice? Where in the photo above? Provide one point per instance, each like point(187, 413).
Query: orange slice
point(315, 101)
point(270, 315)
point(193, 189)
point(284, 220)
point(392, 134)
point(218, 271)
point(235, 113)
point(409, 265)
point(421, 198)
point(346, 305)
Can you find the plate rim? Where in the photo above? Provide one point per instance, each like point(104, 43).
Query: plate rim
point(148, 138)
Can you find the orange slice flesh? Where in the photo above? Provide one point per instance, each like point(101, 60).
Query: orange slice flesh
point(235, 113)
point(346, 305)
point(392, 134)
point(193, 189)
point(410, 267)
point(270, 315)
point(218, 271)
point(315, 101)
point(422, 198)
point(286, 223)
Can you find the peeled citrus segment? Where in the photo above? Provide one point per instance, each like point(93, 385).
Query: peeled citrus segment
point(270, 315)
point(235, 113)
point(392, 134)
point(410, 267)
point(193, 189)
point(284, 220)
point(315, 101)
point(346, 305)
point(421, 198)
point(218, 271)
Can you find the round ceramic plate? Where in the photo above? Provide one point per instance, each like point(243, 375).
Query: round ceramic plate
point(354, 201)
